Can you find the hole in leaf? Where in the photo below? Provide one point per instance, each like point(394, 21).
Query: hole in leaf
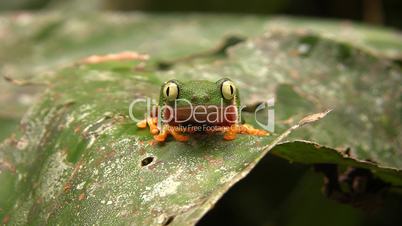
point(147, 161)
point(168, 221)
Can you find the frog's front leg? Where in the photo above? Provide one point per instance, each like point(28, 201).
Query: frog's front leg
point(152, 122)
point(161, 137)
point(166, 130)
point(176, 134)
point(231, 133)
point(249, 129)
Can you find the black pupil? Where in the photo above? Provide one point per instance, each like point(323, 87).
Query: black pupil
point(231, 90)
point(167, 90)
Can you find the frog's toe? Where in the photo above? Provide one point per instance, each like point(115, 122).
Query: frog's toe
point(160, 137)
point(248, 129)
point(229, 136)
point(177, 136)
point(154, 131)
point(152, 123)
point(180, 137)
point(263, 133)
point(142, 124)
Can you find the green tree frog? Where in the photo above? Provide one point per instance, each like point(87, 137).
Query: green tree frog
point(198, 107)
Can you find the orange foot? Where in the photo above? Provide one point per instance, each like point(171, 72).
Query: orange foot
point(172, 131)
point(231, 133)
point(152, 122)
point(161, 136)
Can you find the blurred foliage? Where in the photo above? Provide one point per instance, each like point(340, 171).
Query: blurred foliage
point(8, 125)
point(385, 12)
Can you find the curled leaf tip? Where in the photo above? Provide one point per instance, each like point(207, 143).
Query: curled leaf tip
point(313, 117)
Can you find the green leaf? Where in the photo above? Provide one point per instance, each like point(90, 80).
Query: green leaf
point(86, 162)
point(80, 159)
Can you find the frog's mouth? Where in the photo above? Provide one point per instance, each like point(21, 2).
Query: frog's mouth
point(201, 115)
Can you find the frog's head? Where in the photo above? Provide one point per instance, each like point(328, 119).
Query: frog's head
point(200, 101)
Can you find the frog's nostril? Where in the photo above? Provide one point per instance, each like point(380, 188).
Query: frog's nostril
point(195, 98)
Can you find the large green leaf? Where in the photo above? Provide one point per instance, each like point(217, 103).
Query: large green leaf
point(80, 158)
point(85, 161)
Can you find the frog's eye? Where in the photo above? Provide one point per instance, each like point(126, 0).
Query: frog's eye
point(171, 91)
point(228, 90)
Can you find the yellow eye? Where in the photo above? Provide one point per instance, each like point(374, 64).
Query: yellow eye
point(171, 91)
point(228, 90)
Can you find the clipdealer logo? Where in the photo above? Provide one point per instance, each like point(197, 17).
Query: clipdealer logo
point(206, 116)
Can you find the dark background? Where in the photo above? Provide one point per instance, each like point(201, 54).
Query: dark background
point(381, 12)
point(276, 192)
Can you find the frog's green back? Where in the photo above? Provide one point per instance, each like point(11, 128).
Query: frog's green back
point(200, 92)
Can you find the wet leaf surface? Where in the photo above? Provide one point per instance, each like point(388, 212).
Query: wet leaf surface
point(84, 157)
